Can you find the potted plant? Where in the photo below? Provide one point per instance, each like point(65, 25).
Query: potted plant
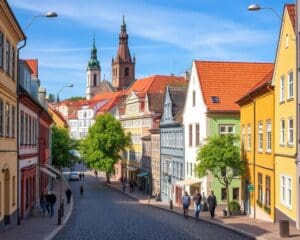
point(235, 208)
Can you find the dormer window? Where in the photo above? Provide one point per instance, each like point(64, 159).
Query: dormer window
point(215, 99)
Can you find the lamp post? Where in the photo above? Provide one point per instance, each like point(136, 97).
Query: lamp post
point(49, 14)
point(257, 7)
point(57, 95)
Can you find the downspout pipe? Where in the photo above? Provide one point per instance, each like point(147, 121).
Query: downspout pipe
point(18, 129)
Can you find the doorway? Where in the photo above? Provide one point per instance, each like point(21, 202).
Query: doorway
point(6, 197)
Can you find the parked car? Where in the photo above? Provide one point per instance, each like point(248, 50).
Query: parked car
point(74, 176)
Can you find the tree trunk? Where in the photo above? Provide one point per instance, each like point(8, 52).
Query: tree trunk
point(107, 177)
point(227, 198)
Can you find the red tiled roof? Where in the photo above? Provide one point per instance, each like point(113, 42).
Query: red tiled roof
point(108, 95)
point(155, 84)
point(291, 9)
point(33, 64)
point(229, 81)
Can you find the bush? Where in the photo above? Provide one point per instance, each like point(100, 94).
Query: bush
point(234, 206)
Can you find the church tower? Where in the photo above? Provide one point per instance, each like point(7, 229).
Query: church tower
point(93, 74)
point(123, 67)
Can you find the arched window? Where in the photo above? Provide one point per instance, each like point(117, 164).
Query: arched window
point(126, 72)
point(95, 80)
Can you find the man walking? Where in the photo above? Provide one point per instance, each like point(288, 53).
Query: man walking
point(197, 198)
point(186, 201)
point(52, 201)
point(212, 204)
point(68, 194)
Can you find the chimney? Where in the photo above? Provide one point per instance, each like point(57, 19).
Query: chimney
point(187, 75)
point(46, 101)
point(42, 95)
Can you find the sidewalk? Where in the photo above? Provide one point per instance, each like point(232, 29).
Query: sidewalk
point(39, 226)
point(256, 229)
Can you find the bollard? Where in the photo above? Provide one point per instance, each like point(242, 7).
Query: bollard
point(284, 228)
point(171, 204)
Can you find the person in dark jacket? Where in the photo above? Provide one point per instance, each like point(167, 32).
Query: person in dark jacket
point(68, 194)
point(43, 203)
point(197, 198)
point(52, 201)
point(81, 190)
point(47, 197)
point(212, 204)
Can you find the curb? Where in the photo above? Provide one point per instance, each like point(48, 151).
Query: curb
point(241, 232)
point(60, 227)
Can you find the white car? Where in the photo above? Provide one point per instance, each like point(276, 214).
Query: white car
point(74, 176)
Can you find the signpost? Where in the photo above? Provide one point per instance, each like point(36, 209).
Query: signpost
point(250, 188)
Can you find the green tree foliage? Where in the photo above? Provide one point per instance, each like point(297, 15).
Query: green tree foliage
point(76, 98)
point(61, 146)
point(101, 147)
point(220, 156)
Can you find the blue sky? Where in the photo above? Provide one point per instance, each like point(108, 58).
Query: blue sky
point(164, 35)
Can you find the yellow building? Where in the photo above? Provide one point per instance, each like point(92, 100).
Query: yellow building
point(10, 35)
point(284, 80)
point(257, 135)
point(57, 117)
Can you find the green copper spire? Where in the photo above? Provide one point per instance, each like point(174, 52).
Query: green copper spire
point(93, 62)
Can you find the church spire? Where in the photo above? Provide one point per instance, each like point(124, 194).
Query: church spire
point(93, 62)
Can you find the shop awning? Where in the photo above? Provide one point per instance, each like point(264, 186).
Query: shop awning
point(131, 169)
point(45, 170)
point(187, 182)
point(143, 174)
point(53, 169)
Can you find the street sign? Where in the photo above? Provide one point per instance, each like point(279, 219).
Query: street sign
point(250, 188)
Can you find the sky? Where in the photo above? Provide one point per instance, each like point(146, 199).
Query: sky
point(164, 35)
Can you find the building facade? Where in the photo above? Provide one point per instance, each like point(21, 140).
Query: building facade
point(172, 144)
point(10, 35)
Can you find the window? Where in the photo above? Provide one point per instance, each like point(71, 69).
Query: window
point(282, 89)
point(291, 85)
point(249, 137)
point(282, 131)
point(268, 192)
point(243, 136)
point(126, 72)
point(223, 194)
point(7, 120)
point(260, 136)
point(7, 57)
point(215, 99)
point(13, 120)
point(191, 169)
point(269, 136)
point(22, 128)
point(286, 191)
point(286, 41)
point(1, 117)
point(13, 66)
point(1, 49)
point(190, 135)
point(14, 190)
point(291, 132)
point(197, 136)
point(236, 194)
point(25, 129)
point(187, 168)
point(260, 188)
point(194, 98)
point(95, 80)
point(226, 129)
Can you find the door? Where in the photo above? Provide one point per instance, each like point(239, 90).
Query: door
point(6, 197)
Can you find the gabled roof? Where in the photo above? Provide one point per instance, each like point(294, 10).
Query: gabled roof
point(291, 9)
point(52, 110)
point(228, 81)
point(155, 101)
point(177, 95)
point(265, 82)
point(33, 65)
point(156, 83)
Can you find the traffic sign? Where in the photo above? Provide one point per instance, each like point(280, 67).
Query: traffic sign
point(250, 188)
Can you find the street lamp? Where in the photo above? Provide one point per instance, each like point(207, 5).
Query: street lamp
point(57, 95)
point(257, 7)
point(49, 14)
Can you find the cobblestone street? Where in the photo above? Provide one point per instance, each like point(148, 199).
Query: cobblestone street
point(104, 213)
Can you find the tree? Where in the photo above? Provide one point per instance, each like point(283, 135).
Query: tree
point(220, 156)
point(61, 146)
point(101, 147)
point(76, 98)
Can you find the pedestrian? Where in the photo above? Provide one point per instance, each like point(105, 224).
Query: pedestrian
point(81, 190)
point(68, 194)
point(47, 197)
point(43, 203)
point(52, 201)
point(96, 173)
point(124, 185)
point(186, 201)
point(212, 204)
point(80, 176)
point(197, 198)
point(131, 186)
